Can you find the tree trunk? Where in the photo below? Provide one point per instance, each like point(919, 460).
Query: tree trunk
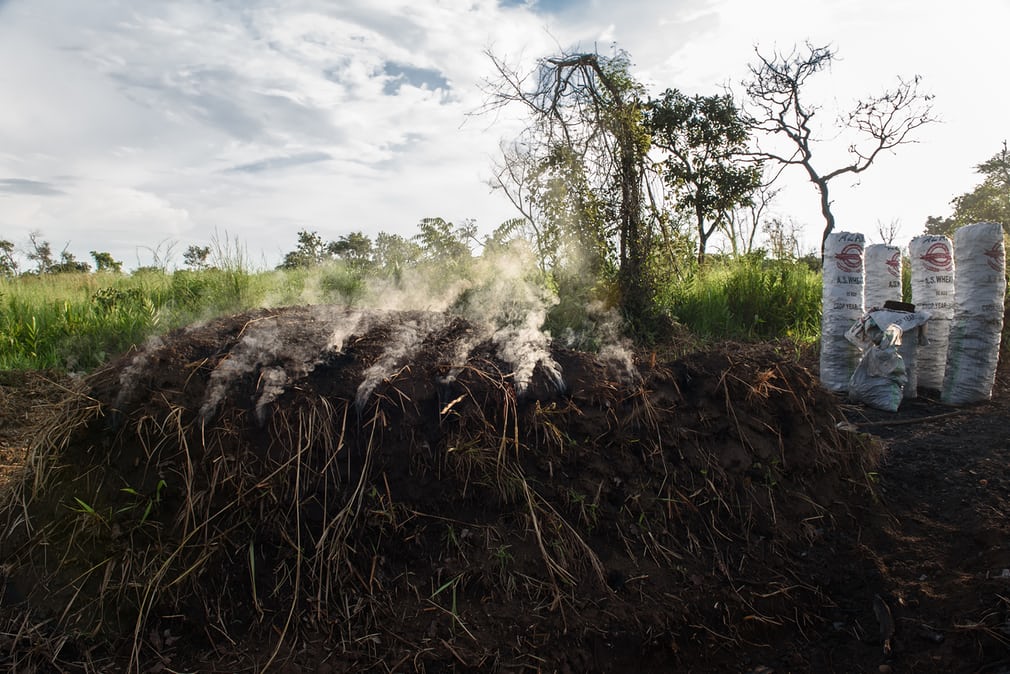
point(829, 218)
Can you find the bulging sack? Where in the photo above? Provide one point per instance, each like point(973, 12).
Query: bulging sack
point(879, 379)
point(932, 271)
point(841, 305)
point(882, 273)
point(977, 325)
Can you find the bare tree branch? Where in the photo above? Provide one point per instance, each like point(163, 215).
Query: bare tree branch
point(776, 108)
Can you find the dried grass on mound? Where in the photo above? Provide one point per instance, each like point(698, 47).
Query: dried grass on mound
point(370, 490)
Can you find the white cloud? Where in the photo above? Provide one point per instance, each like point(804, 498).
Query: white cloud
point(140, 120)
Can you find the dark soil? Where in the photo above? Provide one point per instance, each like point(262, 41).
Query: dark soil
point(706, 515)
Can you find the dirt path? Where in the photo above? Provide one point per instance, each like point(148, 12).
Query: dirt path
point(936, 552)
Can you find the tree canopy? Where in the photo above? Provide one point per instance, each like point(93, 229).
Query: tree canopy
point(988, 202)
point(705, 141)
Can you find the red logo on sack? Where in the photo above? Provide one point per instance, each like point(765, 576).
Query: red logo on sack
point(894, 264)
point(995, 256)
point(850, 258)
point(937, 257)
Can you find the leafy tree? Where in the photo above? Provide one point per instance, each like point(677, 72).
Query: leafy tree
point(988, 202)
point(355, 248)
point(444, 243)
point(777, 108)
point(705, 139)
point(69, 264)
point(392, 253)
point(936, 224)
point(8, 262)
point(104, 262)
point(563, 216)
point(311, 251)
point(196, 257)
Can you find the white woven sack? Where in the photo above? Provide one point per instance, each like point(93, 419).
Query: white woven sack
point(931, 265)
point(979, 291)
point(882, 271)
point(841, 306)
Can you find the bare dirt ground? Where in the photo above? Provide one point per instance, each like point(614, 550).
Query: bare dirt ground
point(707, 517)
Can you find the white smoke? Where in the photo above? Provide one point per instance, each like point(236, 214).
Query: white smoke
point(272, 383)
point(130, 374)
point(353, 323)
point(280, 357)
point(259, 345)
point(402, 346)
point(513, 307)
point(615, 349)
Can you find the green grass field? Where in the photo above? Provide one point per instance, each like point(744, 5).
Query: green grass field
point(75, 322)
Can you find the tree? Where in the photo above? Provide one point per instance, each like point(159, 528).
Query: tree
point(888, 232)
point(777, 107)
point(8, 262)
point(104, 262)
point(444, 243)
point(393, 253)
point(562, 216)
point(69, 264)
point(938, 225)
point(744, 222)
point(704, 138)
point(354, 248)
point(783, 242)
point(587, 107)
point(195, 257)
point(988, 202)
point(311, 251)
point(41, 253)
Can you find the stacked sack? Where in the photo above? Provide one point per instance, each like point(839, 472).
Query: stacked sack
point(931, 262)
point(841, 306)
point(979, 291)
point(882, 270)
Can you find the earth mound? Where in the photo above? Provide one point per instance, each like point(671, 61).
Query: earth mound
point(347, 491)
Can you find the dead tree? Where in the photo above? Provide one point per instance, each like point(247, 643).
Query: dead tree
point(777, 108)
point(588, 107)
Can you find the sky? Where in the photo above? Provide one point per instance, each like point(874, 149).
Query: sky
point(141, 127)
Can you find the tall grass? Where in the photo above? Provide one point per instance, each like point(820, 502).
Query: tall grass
point(78, 321)
point(749, 298)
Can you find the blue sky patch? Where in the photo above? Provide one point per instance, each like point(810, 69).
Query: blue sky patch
point(400, 74)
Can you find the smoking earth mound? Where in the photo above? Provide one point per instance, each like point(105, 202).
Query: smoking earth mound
point(373, 489)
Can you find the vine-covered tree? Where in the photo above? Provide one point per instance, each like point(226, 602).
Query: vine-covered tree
point(778, 109)
point(562, 216)
point(704, 140)
point(589, 107)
